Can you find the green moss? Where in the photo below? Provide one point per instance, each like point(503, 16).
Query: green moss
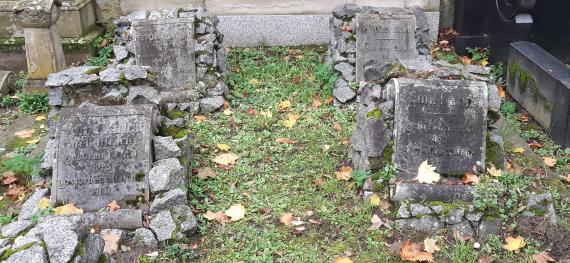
point(175, 114)
point(182, 160)
point(495, 154)
point(9, 252)
point(528, 83)
point(374, 114)
point(139, 177)
point(135, 201)
point(16, 143)
point(170, 131)
point(55, 117)
point(102, 259)
point(447, 207)
point(93, 71)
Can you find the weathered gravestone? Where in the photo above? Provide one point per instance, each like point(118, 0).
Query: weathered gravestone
point(167, 46)
point(104, 154)
point(384, 38)
point(441, 121)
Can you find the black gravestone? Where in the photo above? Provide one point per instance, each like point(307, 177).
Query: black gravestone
point(441, 121)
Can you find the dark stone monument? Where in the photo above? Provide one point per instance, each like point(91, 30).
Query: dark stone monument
point(104, 154)
point(541, 84)
point(441, 121)
point(384, 38)
point(167, 46)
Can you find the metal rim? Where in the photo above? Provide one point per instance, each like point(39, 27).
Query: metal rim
point(510, 8)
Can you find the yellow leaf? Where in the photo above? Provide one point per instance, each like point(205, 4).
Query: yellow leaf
point(44, 203)
point(427, 174)
point(430, 246)
point(41, 118)
point(549, 161)
point(290, 122)
point(491, 170)
point(284, 105)
point(218, 216)
point(236, 212)
point(34, 141)
point(514, 243)
point(484, 63)
point(205, 173)
point(518, 150)
point(223, 147)
point(67, 210)
point(226, 159)
point(342, 260)
point(228, 112)
point(344, 174)
point(375, 200)
point(253, 81)
point(25, 134)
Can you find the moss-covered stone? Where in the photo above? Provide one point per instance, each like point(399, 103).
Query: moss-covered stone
point(528, 83)
point(175, 114)
point(375, 114)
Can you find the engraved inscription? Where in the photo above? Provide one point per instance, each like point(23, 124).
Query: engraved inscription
point(382, 39)
point(443, 122)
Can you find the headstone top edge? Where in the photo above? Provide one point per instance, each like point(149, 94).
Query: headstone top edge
point(144, 22)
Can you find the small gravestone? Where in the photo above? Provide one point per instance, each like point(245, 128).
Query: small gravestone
point(104, 154)
point(167, 46)
point(441, 121)
point(384, 38)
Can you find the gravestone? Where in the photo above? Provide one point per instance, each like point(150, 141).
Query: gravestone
point(7, 82)
point(104, 154)
point(384, 38)
point(441, 121)
point(167, 46)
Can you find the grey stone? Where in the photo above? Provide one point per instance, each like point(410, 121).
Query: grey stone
point(137, 15)
point(474, 217)
point(168, 199)
point(56, 96)
point(433, 192)
point(115, 96)
point(120, 52)
point(174, 67)
point(494, 98)
point(15, 228)
point(93, 246)
point(464, 229)
point(165, 175)
point(437, 209)
point(200, 72)
point(222, 57)
point(7, 82)
point(476, 69)
point(489, 227)
point(163, 225)
point(455, 216)
point(179, 122)
point(143, 95)
point(25, 240)
point(346, 11)
point(220, 89)
point(64, 77)
point(403, 212)
point(165, 147)
point(205, 59)
point(419, 210)
point(184, 217)
point(346, 70)
point(133, 72)
point(154, 15)
point(343, 92)
point(31, 205)
point(110, 74)
point(61, 244)
point(422, 117)
point(426, 224)
point(83, 79)
point(49, 154)
point(35, 254)
point(115, 158)
point(211, 104)
point(145, 237)
point(544, 204)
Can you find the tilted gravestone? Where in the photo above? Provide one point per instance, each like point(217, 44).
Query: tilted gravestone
point(384, 38)
point(167, 46)
point(441, 121)
point(104, 154)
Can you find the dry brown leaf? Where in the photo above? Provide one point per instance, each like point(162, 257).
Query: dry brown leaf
point(236, 212)
point(566, 179)
point(16, 193)
point(285, 141)
point(542, 257)
point(205, 173)
point(344, 174)
point(67, 210)
point(485, 259)
point(470, 178)
point(502, 92)
point(25, 134)
point(549, 161)
point(226, 159)
point(218, 216)
point(316, 103)
point(465, 60)
point(412, 252)
point(342, 260)
point(286, 219)
point(9, 178)
point(113, 206)
point(200, 118)
point(535, 145)
point(427, 174)
point(320, 181)
point(430, 246)
point(376, 222)
point(514, 243)
point(251, 112)
point(337, 126)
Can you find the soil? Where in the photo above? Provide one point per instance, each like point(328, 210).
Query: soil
point(549, 235)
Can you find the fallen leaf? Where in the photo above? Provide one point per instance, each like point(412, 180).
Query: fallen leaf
point(67, 210)
point(16, 193)
point(492, 171)
point(286, 219)
point(502, 92)
point(41, 118)
point(286, 104)
point(344, 174)
point(535, 145)
point(265, 210)
point(430, 246)
point(518, 150)
point(228, 112)
point(285, 141)
point(251, 112)
point(25, 134)
point(375, 200)
point(470, 178)
point(226, 159)
point(200, 118)
point(427, 174)
point(484, 63)
point(345, 141)
point(376, 222)
point(542, 257)
point(525, 118)
point(236, 212)
point(291, 120)
point(320, 181)
point(566, 179)
point(337, 126)
point(205, 173)
point(485, 259)
point(253, 81)
point(218, 216)
point(113, 206)
point(314, 222)
point(316, 103)
point(9, 178)
point(342, 260)
point(34, 141)
point(549, 161)
point(223, 147)
point(514, 243)
point(412, 252)
point(465, 60)
point(44, 203)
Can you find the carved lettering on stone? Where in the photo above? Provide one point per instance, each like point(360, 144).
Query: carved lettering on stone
point(104, 154)
point(167, 46)
point(443, 122)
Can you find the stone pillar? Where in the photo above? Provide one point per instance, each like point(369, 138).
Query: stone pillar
point(44, 52)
